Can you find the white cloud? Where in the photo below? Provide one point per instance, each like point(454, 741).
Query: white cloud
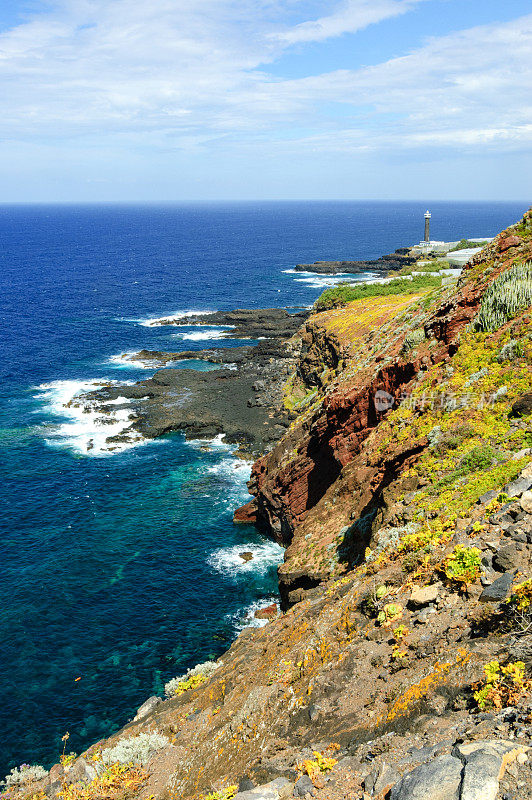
point(193, 74)
point(466, 89)
point(351, 16)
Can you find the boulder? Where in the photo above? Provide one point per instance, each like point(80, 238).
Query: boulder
point(147, 707)
point(481, 776)
point(246, 556)
point(526, 502)
point(484, 765)
point(381, 779)
point(246, 515)
point(304, 786)
point(275, 790)
point(506, 559)
point(498, 590)
point(423, 595)
point(523, 406)
point(269, 612)
point(438, 780)
point(518, 486)
point(81, 770)
point(511, 240)
point(487, 497)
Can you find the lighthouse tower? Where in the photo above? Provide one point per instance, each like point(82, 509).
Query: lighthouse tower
point(427, 225)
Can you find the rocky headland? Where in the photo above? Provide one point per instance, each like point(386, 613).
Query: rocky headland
point(245, 323)
point(400, 664)
point(243, 399)
point(384, 264)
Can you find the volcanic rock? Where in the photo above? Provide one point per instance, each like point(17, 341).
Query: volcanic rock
point(266, 613)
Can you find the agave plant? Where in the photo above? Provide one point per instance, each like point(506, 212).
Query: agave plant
point(509, 293)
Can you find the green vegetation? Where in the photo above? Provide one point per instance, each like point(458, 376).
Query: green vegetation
point(504, 686)
point(343, 293)
point(412, 339)
point(521, 597)
point(480, 457)
point(463, 564)
point(465, 244)
point(222, 794)
point(509, 293)
point(190, 680)
point(117, 782)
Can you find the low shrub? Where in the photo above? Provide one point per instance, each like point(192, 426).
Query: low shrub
point(390, 613)
point(26, 773)
point(412, 340)
point(135, 750)
point(521, 597)
point(191, 679)
point(222, 794)
point(480, 457)
point(510, 351)
point(463, 564)
point(321, 764)
point(454, 438)
point(503, 685)
point(465, 244)
point(117, 782)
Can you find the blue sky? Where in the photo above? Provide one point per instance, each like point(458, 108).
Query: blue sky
point(186, 100)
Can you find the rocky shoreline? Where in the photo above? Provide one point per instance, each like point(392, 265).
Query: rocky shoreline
point(400, 667)
point(384, 264)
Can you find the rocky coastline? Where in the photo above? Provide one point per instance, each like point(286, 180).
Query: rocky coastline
point(394, 462)
point(402, 257)
point(243, 399)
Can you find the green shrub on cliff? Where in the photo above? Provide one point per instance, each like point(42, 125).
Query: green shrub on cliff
point(466, 244)
point(191, 679)
point(343, 293)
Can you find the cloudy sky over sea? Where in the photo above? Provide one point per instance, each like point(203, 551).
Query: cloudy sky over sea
point(179, 100)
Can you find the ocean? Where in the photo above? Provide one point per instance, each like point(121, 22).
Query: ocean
point(120, 570)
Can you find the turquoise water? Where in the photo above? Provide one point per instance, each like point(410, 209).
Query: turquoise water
point(121, 570)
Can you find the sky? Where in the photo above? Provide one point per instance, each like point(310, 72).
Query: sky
point(210, 100)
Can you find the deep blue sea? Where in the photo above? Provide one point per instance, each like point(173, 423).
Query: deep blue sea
point(120, 571)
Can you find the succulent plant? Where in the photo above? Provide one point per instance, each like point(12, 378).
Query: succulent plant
point(509, 293)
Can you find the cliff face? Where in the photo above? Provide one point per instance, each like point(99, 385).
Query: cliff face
point(403, 490)
point(325, 471)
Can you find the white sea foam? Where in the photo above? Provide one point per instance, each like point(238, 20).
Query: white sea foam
point(322, 281)
point(85, 428)
point(235, 469)
point(227, 559)
point(245, 617)
point(206, 332)
point(151, 322)
point(127, 360)
point(217, 442)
